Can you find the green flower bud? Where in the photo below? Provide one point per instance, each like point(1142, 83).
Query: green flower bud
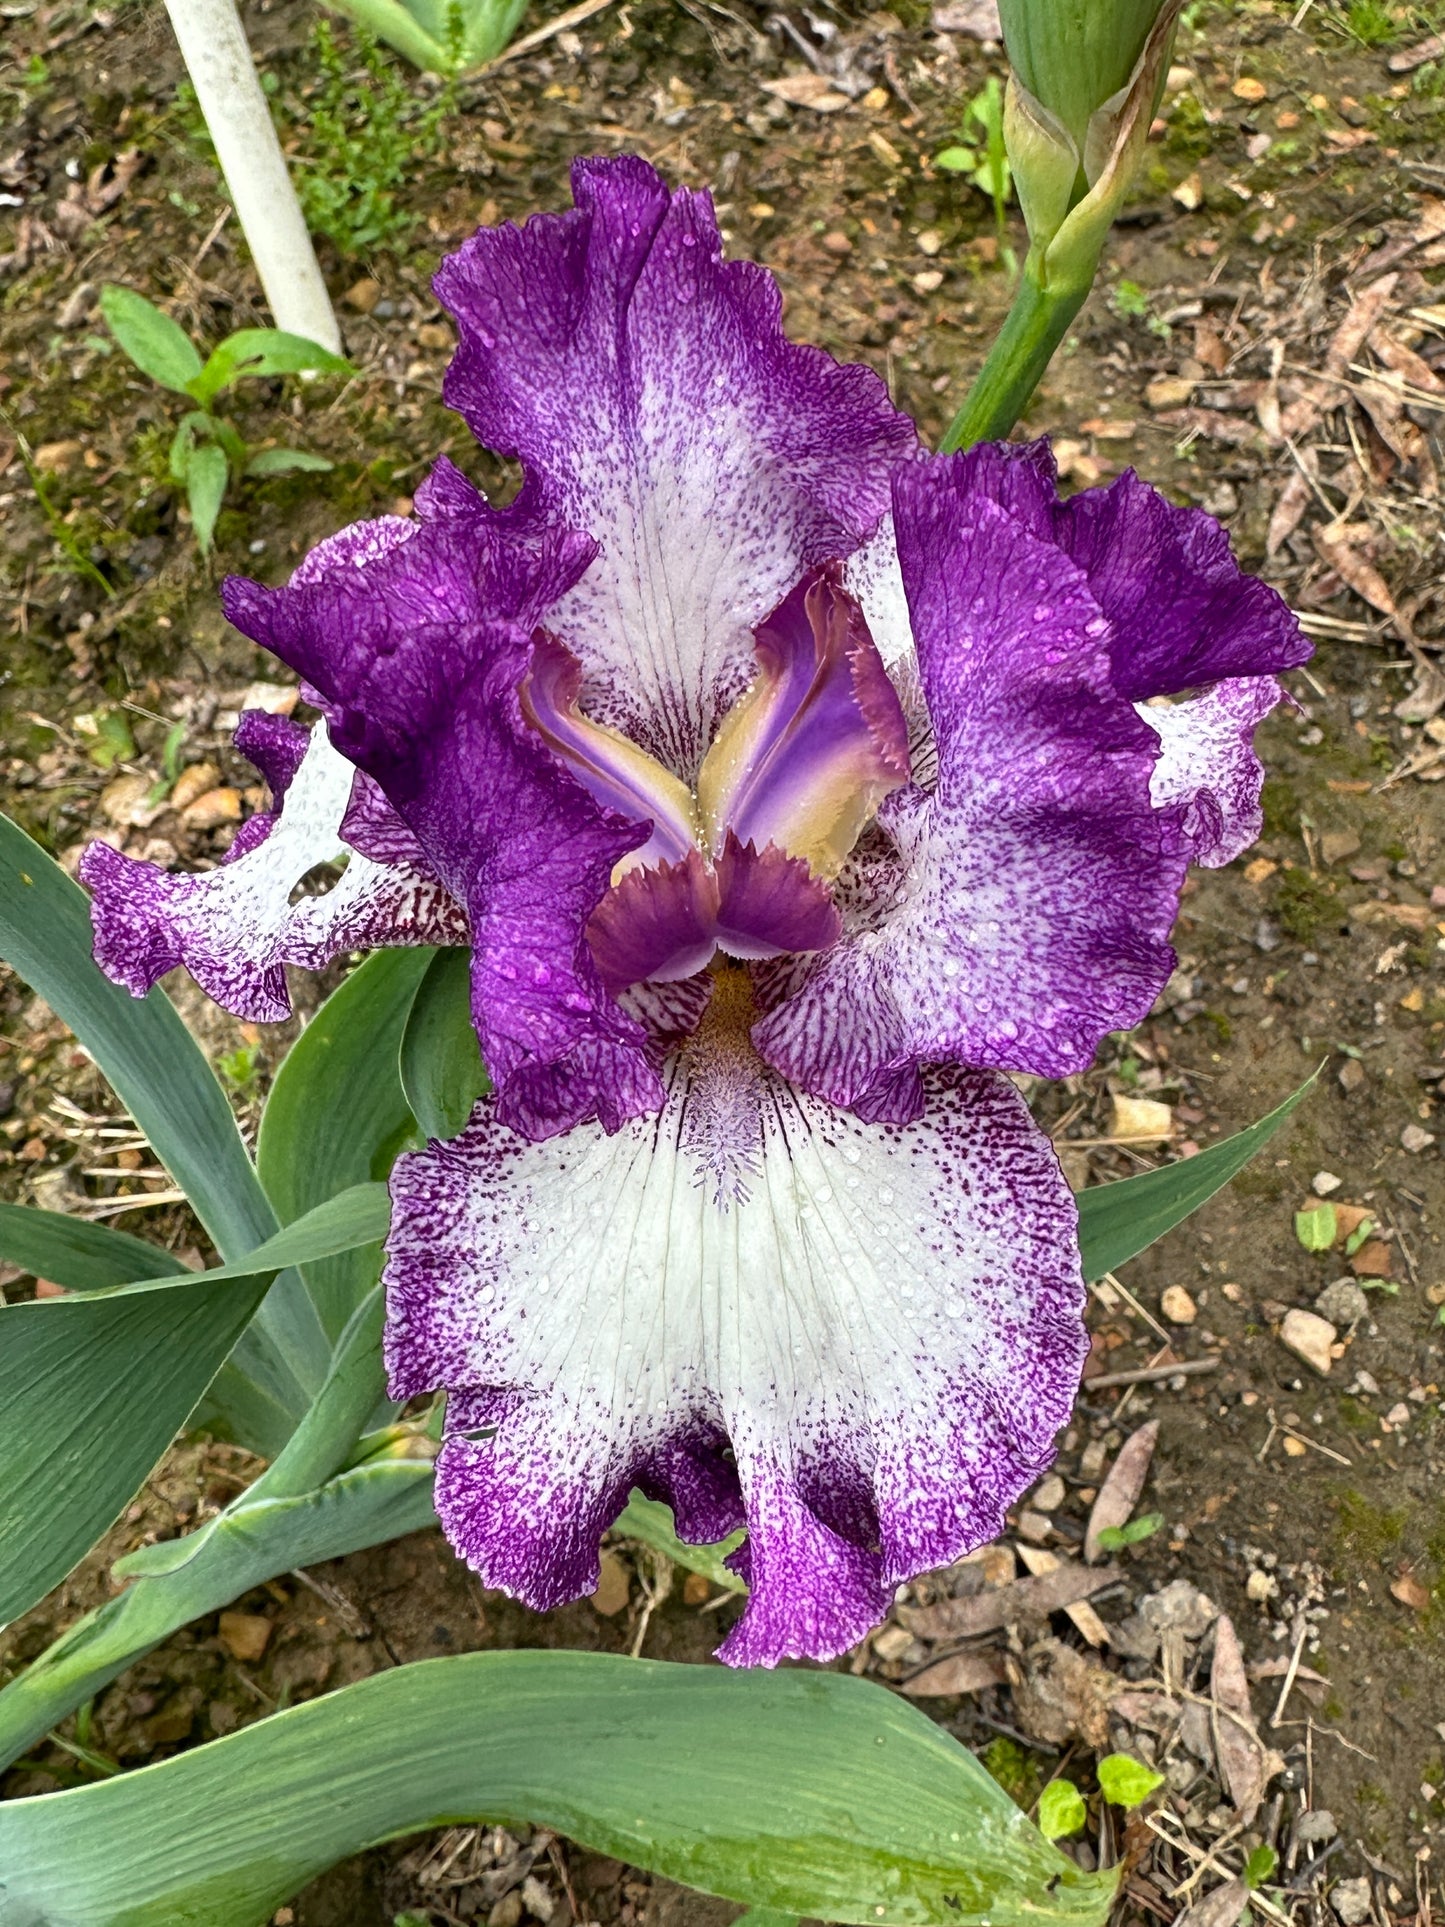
point(1074, 149)
point(1073, 55)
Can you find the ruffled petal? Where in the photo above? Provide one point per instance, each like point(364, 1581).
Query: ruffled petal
point(1038, 884)
point(1208, 769)
point(1182, 612)
point(655, 402)
point(858, 1343)
point(235, 928)
point(417, 643)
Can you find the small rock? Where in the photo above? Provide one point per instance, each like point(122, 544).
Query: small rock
point(1324, 1182)
point(276, 698)
point(837, 242)
point(245, 1635)
point(538, 1898)
point(892, 1642)
point(52, 458)
point(1049, 1494)
point(1309, 1337)
point(1169, 391)
point(212, 809)
point(1372, 1260)
point(193, 782)
point(928, 281)
point(1177, 1306)
point(930, 241)
point(1351, 1075)
point(1316, 1827)
point(1342, 1303)
point(1351, 1901)
point(1260, 1586)
point(508, 1911)
point(363, 295)
point(1336, 845)
point(434, 334)
point(696, 1590)
point(1093, 1459)
point(614, 1586)
point(1179, 1607)
point(1190, 192)
point(1365, 1382)
point(1409, 1590)
point(1415, 1140)
point(1034, 1527)
point(1247, 88)
point(126, 802)
point(1399, 1414)
point(1142, 1118)
point(1294, 1448)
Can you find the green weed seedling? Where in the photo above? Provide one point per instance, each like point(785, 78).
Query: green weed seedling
point(208, 453)
point(978, 154)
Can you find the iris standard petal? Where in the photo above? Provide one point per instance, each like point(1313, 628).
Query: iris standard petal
point(857, 1342)
point(651, 394)
point(235, 928)
point(1037, 884)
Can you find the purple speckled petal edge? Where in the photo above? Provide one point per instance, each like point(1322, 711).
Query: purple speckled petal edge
point(235, 928)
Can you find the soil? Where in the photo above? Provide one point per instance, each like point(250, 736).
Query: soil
point(1293, 169)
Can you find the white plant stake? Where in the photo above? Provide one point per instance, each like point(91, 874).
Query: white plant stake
point(218, 59)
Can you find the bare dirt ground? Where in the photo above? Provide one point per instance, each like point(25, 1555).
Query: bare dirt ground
point(1268, 340)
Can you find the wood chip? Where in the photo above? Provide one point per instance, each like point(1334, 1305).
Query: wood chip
point(808, 90)
point(1236, 1743)
point(1222, 1908)
point(1120, 1491)
point(1408, 1590)
point(986, 1612)
point(1409, 58)
point(958, 1673)
point(1085, 1619)
point(1288, 512)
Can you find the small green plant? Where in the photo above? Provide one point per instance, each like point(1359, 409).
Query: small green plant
point(107, 737)
point(207, 452)
point(1128, 298)
point(363, 133)
point(978, 152)
point(241, 1069)
point(1260, 1866)
point(1125, 1781)
point(1115, 1538)
point(1371, 24)
point(1061, 1810)
point(1316, 1227)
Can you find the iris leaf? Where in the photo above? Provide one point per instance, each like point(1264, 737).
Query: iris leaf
point(1118, 1221)
point(801, 1792)
point(651, 1522)
point(337, 1116)
point(93, 1388)
point(81, 1256)
point(296, 1514)
point(441, 1061)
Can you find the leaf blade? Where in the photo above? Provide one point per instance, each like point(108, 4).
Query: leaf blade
point(824, 1795)
point(158, 346)
point(440, 1060)
point(1118, 1221)
point(94, 1386)
point(71, 1252)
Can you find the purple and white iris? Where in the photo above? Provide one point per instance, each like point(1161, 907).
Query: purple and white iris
point(790, 787)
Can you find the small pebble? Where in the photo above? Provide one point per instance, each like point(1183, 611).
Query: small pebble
point(1415, 1139)
point(1342, 1303)
point(1324, 1182)
point(1177, 1306)
point(1352, 1076)
point(1309, 1337)
point(1049, 1493)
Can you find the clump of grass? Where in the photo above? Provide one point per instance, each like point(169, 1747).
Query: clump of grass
point(1372, 24)
point(1302, 904)
point(363, 131)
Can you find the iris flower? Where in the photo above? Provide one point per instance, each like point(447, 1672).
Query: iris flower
point(794, 791)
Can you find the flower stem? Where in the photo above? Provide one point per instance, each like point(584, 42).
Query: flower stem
point(1036, 324)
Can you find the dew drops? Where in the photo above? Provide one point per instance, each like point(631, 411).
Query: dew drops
point(885, 1194)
